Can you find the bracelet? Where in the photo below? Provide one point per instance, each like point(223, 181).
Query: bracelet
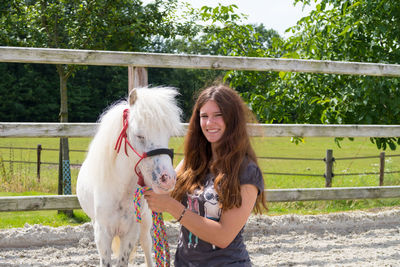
point(180, 217)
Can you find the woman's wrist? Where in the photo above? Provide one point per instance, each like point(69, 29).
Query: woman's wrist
point(181, 215)
point(176, 209)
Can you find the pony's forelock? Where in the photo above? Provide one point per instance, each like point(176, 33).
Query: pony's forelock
point(157, 109)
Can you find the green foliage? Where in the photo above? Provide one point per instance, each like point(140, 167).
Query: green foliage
point(105, 25)
point(339, 31)
point(214, 31)
point(352, 31)
point(24, 97)
point(230, 37)
point(335, 30)
point(125, 25)
point(94, 89)
point(29, 92)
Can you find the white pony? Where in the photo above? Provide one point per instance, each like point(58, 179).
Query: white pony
point(107, 179)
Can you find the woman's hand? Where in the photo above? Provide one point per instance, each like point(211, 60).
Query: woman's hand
point(158, 202)
point(162, 203)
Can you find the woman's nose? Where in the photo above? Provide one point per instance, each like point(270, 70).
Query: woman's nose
point(210, 120)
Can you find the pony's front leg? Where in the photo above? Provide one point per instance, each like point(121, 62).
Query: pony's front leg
point(128, 243)
point(103, 242)
point(145, 236)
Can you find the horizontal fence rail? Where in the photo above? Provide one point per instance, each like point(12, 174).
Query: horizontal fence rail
point(333, 193)
point(158, 60)
point(32, 203)
point(43, 149)
point(66, 202)
point(17, 129)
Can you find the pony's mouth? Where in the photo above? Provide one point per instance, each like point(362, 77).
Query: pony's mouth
point(162, 189)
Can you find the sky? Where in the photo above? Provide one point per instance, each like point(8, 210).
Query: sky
point(274, 14)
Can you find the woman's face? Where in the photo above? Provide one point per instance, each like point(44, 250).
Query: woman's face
point(211, 121)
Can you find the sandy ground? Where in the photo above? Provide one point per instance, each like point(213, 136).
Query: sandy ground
point(339, 239)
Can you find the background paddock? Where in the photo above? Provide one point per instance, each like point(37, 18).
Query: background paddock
point(137, 61)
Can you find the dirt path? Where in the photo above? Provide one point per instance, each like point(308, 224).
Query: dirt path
point(339, 239)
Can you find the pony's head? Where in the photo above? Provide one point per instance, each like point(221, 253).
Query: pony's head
point(153, 118)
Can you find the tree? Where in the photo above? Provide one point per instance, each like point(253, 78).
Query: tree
point(22, 93)
point(104, 24)
point(346, 30)
point(217, 30)
point(212, 32)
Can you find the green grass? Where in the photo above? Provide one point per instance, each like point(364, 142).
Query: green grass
point(51, 218)
point(315, 148)
point(20, 179)
point(47, 217)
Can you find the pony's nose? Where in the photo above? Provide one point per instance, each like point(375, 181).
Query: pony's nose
point(167, 180)
point(163, 178)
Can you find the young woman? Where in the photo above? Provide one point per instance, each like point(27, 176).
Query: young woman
point(218, 183)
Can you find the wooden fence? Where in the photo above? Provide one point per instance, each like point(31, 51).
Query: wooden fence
point(136, 61)
point(329, 160)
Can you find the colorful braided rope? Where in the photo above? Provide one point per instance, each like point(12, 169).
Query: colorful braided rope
point(160, 242)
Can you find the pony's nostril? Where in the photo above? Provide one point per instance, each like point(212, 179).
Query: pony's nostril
point(163, 178)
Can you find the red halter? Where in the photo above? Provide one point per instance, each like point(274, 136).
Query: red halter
point(123, 136)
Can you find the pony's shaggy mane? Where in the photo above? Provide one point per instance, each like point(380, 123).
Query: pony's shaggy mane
point(156, 108)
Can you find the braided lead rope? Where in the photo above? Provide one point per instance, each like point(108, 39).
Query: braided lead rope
point(160, 242)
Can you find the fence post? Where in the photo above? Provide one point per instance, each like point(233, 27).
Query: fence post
point(60, 175)
point(39, 150)
point(137, 77)
point(381, 168)
point(328, 167)
point(64, 173)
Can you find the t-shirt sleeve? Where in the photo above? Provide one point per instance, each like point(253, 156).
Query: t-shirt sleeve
point(252, 175)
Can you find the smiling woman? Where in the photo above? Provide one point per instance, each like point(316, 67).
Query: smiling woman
point(219, 183)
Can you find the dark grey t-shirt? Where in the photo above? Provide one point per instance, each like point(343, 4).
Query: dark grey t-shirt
point(191, 250)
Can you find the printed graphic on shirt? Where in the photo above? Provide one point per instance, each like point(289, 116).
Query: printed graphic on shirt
point(205, 203)
point(211, 206)
point(193, 204)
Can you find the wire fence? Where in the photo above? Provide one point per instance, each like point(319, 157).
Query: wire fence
point(329, 160)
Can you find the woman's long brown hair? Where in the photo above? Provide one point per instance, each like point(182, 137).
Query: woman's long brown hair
point(233, 149)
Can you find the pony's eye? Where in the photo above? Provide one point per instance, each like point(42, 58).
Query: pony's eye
point(140, 137)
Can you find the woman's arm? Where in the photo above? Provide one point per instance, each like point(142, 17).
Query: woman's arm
point(221, 233)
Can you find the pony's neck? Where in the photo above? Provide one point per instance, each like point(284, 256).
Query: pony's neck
point(123, 170)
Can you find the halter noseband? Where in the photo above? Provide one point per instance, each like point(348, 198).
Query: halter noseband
point(151, 153)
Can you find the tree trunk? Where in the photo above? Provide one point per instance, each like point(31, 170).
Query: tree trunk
point(64, 175)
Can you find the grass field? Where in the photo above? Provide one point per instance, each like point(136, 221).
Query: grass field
point(20, 179)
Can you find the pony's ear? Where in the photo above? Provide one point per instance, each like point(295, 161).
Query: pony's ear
point(132, 97)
